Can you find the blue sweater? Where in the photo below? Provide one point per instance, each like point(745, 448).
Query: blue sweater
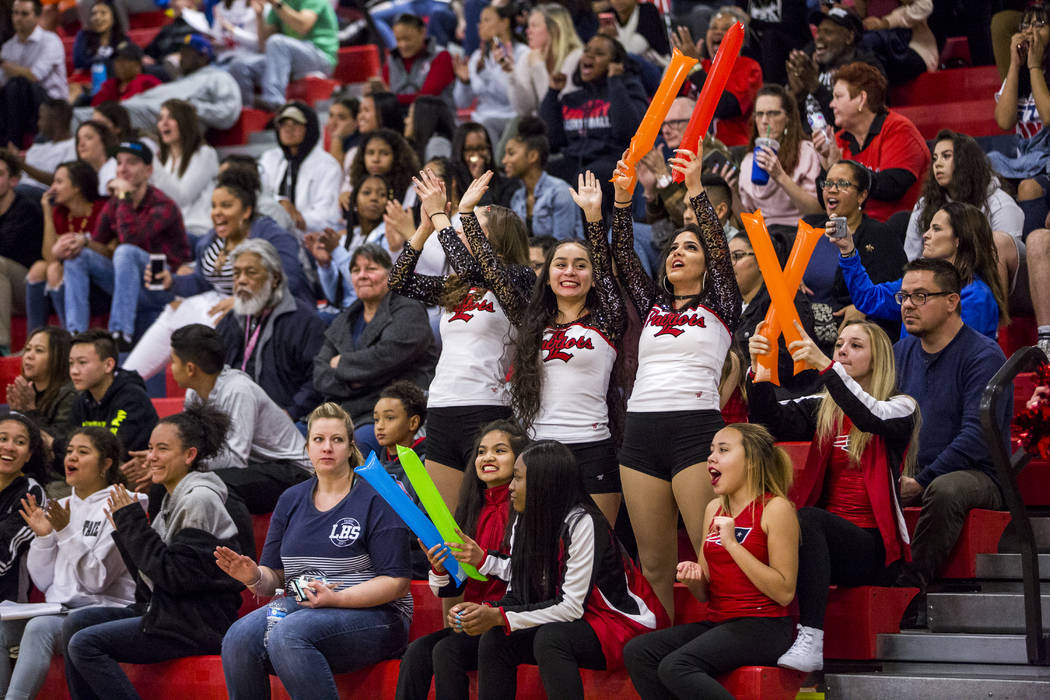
point(948, 386)
point(977, 303)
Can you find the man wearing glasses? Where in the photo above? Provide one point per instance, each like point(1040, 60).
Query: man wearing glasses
point(945, 365)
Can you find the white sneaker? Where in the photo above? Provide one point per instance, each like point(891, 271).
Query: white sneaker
point(1043, 343)
point(807, 653)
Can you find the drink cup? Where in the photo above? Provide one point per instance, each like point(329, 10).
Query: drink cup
point(758, 175)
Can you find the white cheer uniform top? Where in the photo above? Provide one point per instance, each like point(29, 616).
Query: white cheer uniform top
point(680, 357)
point(476, 342)
point(577, 363)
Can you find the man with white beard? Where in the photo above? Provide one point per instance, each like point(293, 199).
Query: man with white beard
point(271, 335)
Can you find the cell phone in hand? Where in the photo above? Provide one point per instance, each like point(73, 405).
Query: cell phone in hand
point(836, 228)
point(157, 261)
point(606, 19)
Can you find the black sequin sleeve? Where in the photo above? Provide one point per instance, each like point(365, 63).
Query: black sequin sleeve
point(512, 284)
point(459, 257)
point(635, 280)
point(721, 293)
point(405, 281)
point(610, 316)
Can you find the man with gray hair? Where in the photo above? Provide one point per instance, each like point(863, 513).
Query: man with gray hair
point(271, 335)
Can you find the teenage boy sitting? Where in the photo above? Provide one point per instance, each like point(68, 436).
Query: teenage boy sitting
point(109, 396)
point(264, 453)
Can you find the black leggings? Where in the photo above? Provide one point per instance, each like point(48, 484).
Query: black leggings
point(445, 656)
point(560, 649)
point(682, 662)
point(832, 550)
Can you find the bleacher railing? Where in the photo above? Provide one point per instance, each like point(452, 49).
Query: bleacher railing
point(1009, 467)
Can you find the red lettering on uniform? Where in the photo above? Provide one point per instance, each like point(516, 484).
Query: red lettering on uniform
point(468, 305)
point(559, 342)
point(669, 322)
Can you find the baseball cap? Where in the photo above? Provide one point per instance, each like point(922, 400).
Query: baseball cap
point(199, 44)
point(842, 16)
point(136, 148)
point(290, 112)
point(129, 50)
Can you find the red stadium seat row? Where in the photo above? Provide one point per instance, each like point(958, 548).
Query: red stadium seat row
point(946, 86)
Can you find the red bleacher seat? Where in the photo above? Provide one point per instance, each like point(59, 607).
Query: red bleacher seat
point(311, 89)
point(357, 64)
point(1020, 333)
point(10, 367)
point(250, 121)
point(1034, 483)
point(956, 50)
point(947, 86)
point(168, 406)
point(171, 387)
point(856, 615)
point(149, 20)
point(975, 117)
point(980, 535)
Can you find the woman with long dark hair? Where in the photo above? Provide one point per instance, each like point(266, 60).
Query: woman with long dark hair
point(689, 314)
point(745, 572)
point(22, 473)
point(473, 155)
point(378, 110)
point(386, 152)
point(568, 336)
point(187, 164)
point(574, 596)
point(97, 41)
point(430, 126)
point(863, 437)
point(183, 602)
point(482, 512)
point(43, 391)
point(469, 387)
point(958, 233)
point(71, 209)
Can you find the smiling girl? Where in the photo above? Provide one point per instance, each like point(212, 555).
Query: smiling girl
point(43, 391)
point(183, 602)
point(689, 315)
point(22, 471)
point(484, 509)
point(745, 572)
point(574, 595)
point(73, 560)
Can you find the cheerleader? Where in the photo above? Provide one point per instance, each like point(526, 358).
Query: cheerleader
point(689, 314)
point(469, 386)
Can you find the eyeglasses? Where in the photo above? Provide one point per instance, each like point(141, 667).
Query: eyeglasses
point(917, 298)
point(675, 123)
point(837, 184)
point(739, 255)
point(1034, 24)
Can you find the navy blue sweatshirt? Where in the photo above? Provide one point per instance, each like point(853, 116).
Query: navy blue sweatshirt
point(583, 124)
point(948, 386)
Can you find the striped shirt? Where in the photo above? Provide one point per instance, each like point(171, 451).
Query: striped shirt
point(219, 277)
point(350, 543)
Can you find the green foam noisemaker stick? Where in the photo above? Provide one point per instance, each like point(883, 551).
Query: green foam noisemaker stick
point(432, 502)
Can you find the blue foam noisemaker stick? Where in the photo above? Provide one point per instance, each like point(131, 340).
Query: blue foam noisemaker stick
point(395, 496)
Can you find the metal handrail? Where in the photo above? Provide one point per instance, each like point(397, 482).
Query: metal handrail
point(1009, 467)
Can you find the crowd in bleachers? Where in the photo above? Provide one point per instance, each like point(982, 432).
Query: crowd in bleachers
point(455, 258)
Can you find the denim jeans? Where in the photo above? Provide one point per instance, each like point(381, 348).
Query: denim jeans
point(307, 647)
point(441, 22)
point(100, 639)
point(39, 302)
point(283, 58)
point(37, 639)
point(121, 277)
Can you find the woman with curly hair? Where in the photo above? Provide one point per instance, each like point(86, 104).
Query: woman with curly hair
point(958, 233)
point(469, 388)
point(385, 152)
point(568, 336)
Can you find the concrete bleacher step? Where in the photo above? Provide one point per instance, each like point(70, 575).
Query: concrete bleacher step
point(943, 685)
point(939, 647)
point(1008, 567)
point(980, 612)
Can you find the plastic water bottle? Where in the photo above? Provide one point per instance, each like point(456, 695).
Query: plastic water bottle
point(98, 76)
point(814, 116)
point(275, 614)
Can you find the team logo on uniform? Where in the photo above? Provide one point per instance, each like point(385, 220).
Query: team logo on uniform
point(91, 528)
point(669, 322)
point(741, 534)
point(559, 342)
point(464, 312)
point(345, 532)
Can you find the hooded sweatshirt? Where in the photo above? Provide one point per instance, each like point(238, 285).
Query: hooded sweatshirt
point(180, 591)
point(80, 565)
point(125, 409)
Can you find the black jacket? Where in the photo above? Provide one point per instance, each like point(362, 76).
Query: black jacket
point(125, 409)
point(15, 536)
point(283, 357)
point(396, 344)
point(192, 600)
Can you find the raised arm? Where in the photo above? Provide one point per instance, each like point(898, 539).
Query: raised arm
point(610, 314)
point(636, 282)
point(403, 278)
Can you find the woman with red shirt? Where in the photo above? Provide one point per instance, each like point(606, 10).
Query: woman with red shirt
point(71, 208)
point(746, 572)
point(853, 530)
